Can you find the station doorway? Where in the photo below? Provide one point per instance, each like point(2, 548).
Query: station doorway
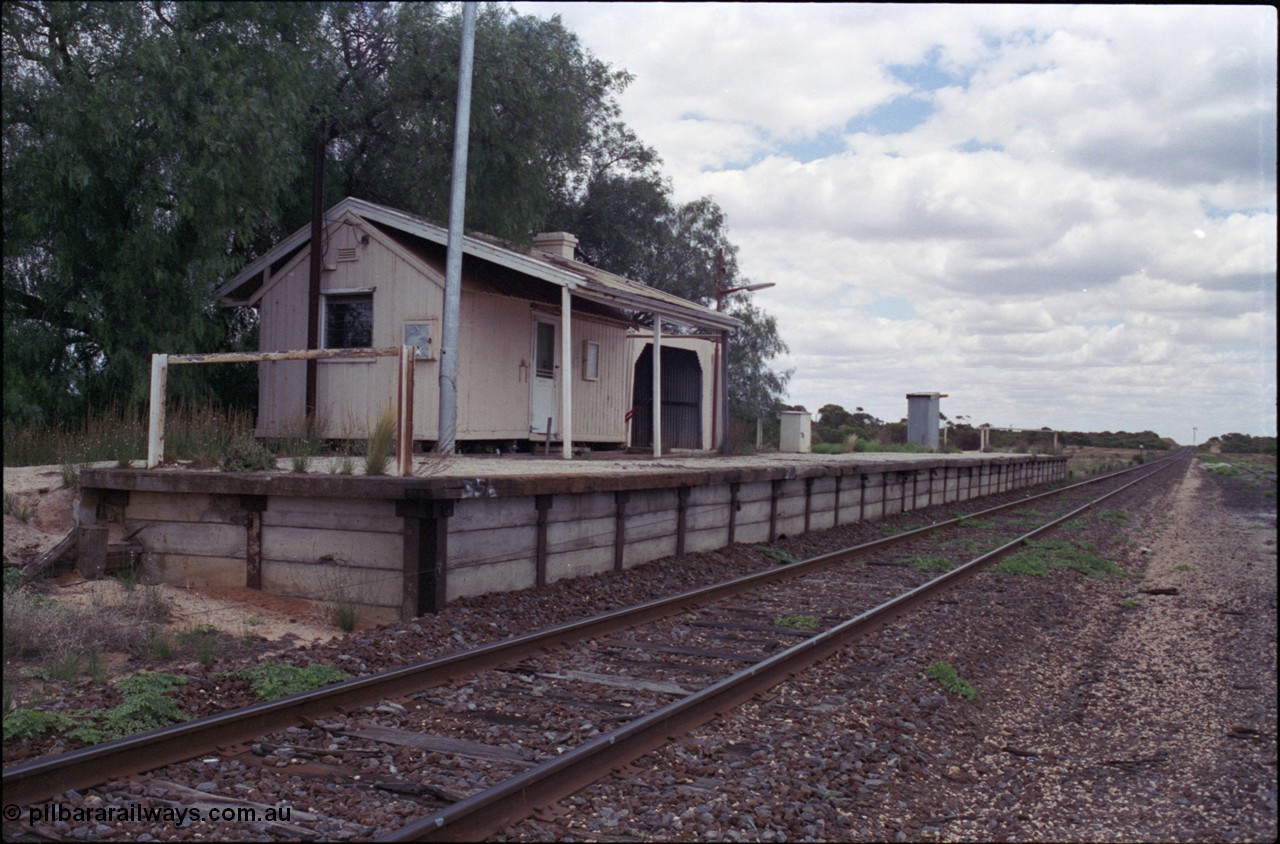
point(681, 399)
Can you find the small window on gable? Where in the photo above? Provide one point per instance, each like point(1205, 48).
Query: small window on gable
point(348, 321)
point(590, 361)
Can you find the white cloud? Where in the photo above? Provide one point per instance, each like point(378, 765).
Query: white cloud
point(1081, 231)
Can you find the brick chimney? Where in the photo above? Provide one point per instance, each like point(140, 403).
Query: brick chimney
point(556, 243)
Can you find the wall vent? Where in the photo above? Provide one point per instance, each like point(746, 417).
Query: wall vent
point(347, 253)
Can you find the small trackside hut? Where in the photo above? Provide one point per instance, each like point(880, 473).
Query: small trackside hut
point(543, 350)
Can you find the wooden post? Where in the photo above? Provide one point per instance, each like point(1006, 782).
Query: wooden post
point(835, 513)
point(808, 498)
point(542, 503)
point(566, 374)
point(426, 556)
point(404, 431)
point(734, 506)
point(619, 529)
point(254, 505)
point(682, 508)
point(155, 430)
point(91, 551)
point(774, 491)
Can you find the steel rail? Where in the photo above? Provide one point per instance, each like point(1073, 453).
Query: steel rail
point(42, 779)
point(487, 812)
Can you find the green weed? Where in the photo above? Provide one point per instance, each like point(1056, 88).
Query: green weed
point(272, 680)
point(381, 440)
point(781, 556)
point(797, 622)
point(1039, 557)
point(147, 705)
point(950, 679)
point(245, 454)
point(923, 563)
point(161, 644)
point(70, 475)
point(14, 507)
point(26, 725)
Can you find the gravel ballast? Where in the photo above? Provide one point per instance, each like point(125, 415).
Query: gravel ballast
point(1105, 713)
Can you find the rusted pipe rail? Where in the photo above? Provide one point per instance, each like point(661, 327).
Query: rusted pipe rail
point(160, 364)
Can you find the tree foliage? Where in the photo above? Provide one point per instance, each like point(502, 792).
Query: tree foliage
point(138, 168)
point(627, 223)
point(152, 148)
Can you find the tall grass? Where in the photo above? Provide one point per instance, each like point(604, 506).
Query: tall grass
point(192, 432)
point(381, 443)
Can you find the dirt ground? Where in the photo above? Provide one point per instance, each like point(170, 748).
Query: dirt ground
point(39, 493)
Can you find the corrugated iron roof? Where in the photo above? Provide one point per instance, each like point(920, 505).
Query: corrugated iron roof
point(583, 280)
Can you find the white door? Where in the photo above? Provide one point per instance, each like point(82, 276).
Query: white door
point(543, 400)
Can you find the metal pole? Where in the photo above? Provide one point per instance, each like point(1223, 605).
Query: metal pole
point(566, 374)
point(453, 261)
point(657, 385)
point(313, 278)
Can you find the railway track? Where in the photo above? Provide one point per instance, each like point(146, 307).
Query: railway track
point(464, 744)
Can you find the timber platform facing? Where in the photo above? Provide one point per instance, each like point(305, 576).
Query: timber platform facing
point(400, 547)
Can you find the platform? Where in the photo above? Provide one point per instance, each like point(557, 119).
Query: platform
point(468, 525)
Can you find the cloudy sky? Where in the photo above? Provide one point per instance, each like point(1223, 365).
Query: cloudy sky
point(1058, 215)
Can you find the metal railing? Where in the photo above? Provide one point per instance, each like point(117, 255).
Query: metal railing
point(160, 364)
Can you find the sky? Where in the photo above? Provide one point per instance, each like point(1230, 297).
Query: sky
point(1059, 216)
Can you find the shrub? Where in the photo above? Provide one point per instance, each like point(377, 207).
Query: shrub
point(245, 454)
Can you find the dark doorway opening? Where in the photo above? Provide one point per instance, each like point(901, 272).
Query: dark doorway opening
point(681, 399)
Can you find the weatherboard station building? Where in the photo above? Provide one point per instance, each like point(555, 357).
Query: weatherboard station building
point(549, 347)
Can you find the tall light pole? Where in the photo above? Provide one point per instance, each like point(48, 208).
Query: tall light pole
point(721, 292)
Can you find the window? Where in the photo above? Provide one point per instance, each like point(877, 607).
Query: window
point(348, 321)
point(421, 335)
point(544, 362)
point(590, 361)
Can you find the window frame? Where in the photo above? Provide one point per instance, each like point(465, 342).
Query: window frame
point(328, 297)
point(590, 362)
